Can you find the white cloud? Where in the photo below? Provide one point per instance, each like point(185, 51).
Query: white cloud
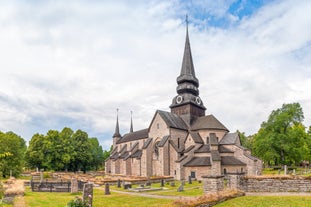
point(73, 63)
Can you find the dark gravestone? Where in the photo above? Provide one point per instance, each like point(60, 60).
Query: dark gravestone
point(127, 186)
point(162, 183)
point(180, 188)
point(189, 180)
point(119, 183)
point(172, 184)
point(107, 190)
point(88, 193)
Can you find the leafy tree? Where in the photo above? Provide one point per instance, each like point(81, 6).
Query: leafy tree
point(35, 153)
point(68, 149)
point(82, 152)
point(282, 138)
point(65, 150)
point(97, 155)
point(246, 141)
point(107, 153)
point(12, 150)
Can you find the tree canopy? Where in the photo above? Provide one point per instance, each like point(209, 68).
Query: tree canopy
point(283, 139)
point(12, 151)
point(65, 150)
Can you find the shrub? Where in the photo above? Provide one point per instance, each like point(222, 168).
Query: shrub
point(1, 190)
point(77, 202)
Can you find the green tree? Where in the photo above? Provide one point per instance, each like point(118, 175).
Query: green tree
point(12, 149)
point(82, 153)
point(107, 153)
point(282, 138)
point(68, 148)
point(35, 154)
point(246, 141)
point(97, 155)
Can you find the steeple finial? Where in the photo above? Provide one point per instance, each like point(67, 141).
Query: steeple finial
point(131, 129)
point(187, 22)
point(117, 131)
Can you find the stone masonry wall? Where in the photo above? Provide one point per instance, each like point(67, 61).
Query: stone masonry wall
point(280, 184)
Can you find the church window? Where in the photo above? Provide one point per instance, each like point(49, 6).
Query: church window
point(242, 169)
point(178, 142)
point(225, 171)
point(192, 174)
point(207, 140)
point(174, 172)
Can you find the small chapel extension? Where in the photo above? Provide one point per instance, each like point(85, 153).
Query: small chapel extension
point(181, 143)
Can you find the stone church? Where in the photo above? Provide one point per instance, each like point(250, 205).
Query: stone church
point(183, 142)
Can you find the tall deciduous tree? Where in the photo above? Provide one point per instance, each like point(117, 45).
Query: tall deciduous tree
point(65, 150)
point(282, 139)
point(13, 148)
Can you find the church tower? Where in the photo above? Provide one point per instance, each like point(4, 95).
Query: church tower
point(116, 136)
point(187, 104)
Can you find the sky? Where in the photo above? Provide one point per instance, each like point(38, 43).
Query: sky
point(73, 63)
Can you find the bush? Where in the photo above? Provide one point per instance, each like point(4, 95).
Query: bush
point(1, 191)
point(77, 202)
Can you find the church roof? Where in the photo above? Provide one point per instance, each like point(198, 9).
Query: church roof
point(223, 149)
point(198, 162)
point(141, 134)
point(230, 160)
point(163, 141)
point(207, 122)
point(137, 154)
point(229, 138)
point(173, 120)
point(203, 148)
point(147, 142)
point(196, 138)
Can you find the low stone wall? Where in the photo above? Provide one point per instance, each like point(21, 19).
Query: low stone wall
point(276, 184)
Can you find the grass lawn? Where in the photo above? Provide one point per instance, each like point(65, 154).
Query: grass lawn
point(268, 201)
point(194, 189)
point(46, 199)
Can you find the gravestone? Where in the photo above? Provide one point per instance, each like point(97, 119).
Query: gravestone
point(172, 184)
point(189, 180)
point(107, 190)
point(74, 185)
point(41, 175)
point(162, 183)
point(119, 183)
point(88, 193)
point(181, 187)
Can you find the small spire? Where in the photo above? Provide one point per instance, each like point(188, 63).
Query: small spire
point(117, 131)
point(131, 129)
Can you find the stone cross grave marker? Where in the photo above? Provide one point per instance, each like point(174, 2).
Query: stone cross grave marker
point(88, 193)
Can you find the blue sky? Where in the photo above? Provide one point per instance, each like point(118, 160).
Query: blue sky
point(72, 63)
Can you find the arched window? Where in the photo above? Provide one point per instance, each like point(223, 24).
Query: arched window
point(225, 171)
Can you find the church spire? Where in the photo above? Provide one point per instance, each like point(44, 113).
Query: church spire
point(117, 131)
point(187, 80)
point(187, 103)
point(131, 129)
